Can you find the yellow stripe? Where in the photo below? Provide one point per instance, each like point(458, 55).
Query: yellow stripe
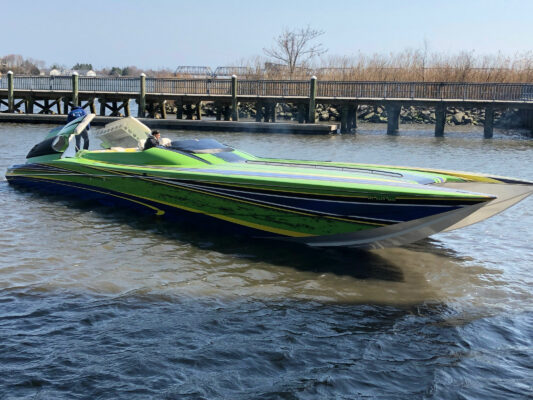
point(219, 216)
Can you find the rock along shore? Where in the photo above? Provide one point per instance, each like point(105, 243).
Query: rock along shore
point(374, 114)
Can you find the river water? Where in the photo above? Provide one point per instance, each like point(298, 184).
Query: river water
point(103, 304)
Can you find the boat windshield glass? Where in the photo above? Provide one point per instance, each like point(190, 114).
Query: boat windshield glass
point(201, 146)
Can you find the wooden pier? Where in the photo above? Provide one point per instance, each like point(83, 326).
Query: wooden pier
point(48, 95)
point(176, 124)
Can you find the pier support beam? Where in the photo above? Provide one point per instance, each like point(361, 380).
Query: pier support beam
point(29, 106)
point(218, 111)
point(258, 111)
point(142, 96)
point(75, 87)
point(301, 113)
point(393, 118)
point(234, 103)
point(312, 101)
point(345, 110)
point(199, 111)
point(179, 109)
point(227, 113)
point(352, 118)
point(488, 129)
point(440, 120)
point(10, 92)
point(163, 105)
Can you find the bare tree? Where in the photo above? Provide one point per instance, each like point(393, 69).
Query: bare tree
point(296, 46)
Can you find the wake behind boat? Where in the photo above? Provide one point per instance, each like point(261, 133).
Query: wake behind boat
point(316, 203)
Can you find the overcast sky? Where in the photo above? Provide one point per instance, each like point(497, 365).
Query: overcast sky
point(154, 34)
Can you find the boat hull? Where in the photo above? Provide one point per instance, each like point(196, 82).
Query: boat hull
point(277, 213)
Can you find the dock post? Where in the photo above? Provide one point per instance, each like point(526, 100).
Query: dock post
point(10, 92)
point(258, 111)
point(393, 115)
point(163, 105)
point(58, 104)
point(75, 87)
point(29, 105)
point(102, 106)
point(488, 128)
point(440, 120)
point(179, 109)
point(227, 113)
point(301, 113)
point(353, 121)
point(218, 111)
point(142, 96)
point(92, 107)
point(199, 111)
point(234, 104)
point(344, 118)
point(312, 100)
point(273, 112)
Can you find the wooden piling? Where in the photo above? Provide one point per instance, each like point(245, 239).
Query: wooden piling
point(10, 92)
point(142, 96)
point(179, 109)
point(344, 118)
point(273, 112)
point(102, 106)
point(393, 116)
point(218, 111)
point(488, 128)
point(440, 120)
point(29, 105)
point(92, 107)
point(234, 103)
point(258, 111)
point(227, 113)
point(75, 87)
point(353, 121)
point(301, 113)
point(312, 100)
point(199, 111)
point(127, 107)
point(163, 105)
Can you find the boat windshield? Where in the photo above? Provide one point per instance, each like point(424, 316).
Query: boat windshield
point(200, 146)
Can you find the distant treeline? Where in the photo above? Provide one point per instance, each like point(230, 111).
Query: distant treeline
point(408, 65)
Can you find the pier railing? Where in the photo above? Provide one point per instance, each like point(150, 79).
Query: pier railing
point(280, 88)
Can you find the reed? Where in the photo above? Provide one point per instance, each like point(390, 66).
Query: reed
point(406, 66)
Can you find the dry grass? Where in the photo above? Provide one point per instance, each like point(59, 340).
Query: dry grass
point(406, 66)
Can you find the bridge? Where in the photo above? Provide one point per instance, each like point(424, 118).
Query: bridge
point(43, 94)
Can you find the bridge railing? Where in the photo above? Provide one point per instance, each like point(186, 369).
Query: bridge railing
point(123, 85)
point(281, 88)
point(273, 88)
point(189, 86)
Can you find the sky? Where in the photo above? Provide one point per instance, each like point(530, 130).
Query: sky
point(166, 34)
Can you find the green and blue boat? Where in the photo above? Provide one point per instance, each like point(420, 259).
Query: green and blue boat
point(212, 184)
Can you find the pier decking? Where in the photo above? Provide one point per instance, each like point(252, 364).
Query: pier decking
point(46, 95)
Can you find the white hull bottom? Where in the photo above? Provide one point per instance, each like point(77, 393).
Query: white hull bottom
point(507, 196)
point(393, 235)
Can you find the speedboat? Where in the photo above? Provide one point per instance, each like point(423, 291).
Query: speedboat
point(315, 203)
